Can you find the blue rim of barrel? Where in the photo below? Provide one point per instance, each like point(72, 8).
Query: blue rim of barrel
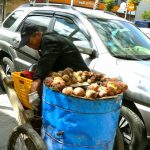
point(74, 103)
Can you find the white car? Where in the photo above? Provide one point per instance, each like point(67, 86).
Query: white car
point(146, 31)
point(144, 26)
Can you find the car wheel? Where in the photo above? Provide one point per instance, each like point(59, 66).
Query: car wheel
point(8, 68)
point(132, 129)
point(118, 143)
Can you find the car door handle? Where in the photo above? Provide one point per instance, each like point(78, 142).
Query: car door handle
point(15, 40)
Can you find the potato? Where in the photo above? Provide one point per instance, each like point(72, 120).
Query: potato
point(48, 81)
point(58, 86)
point(104, 78)
point(79, 73)
point(112, 84)
point(91, 94)
point(58, 81)
point(70, 74)
point(54, 74)
point(102, 91)
point(67, 90)
point(125, 87)
point(102, 94)
point(69, 70)
point(122, 85)
point(68, 83)
point(83, 77)
point(86, 73)
point(91, 73)
point(60, 73)
point(74, 73)
point(79, 79)
point(66, 77)
point(79, 92)
point(73, 80)
point(55, 82)
point(111, 91)
point(93, 86)
point(58, 78)
point(91, 79)
point(99, 76)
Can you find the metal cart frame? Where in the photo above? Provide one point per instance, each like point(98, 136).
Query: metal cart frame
point(25, 130)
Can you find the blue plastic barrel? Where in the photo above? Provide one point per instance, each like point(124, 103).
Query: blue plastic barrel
point(71, 123)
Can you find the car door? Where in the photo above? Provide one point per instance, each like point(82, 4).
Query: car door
point(9, 26)
point(26, 55)
point(72, 28)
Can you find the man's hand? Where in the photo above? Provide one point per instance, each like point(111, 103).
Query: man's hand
point(34, 100)
point(35, 85)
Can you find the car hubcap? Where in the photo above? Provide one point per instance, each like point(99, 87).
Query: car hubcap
point(125, 131)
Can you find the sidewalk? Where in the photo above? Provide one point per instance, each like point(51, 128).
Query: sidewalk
point(7, 120)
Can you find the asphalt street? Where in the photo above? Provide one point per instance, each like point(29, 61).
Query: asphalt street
point(7, 120)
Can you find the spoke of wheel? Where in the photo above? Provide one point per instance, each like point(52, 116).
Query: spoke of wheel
point(21, 143)
point(7, 70)
point(28, 144)
point(127, 138)
point(123, 122)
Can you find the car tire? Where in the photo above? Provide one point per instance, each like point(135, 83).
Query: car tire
point(8, 68)
point(132, 129)
point(118, 143)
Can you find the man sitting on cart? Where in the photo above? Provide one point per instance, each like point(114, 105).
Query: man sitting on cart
point(57, 53)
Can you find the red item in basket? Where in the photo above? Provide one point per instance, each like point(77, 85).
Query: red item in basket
point(27, 74)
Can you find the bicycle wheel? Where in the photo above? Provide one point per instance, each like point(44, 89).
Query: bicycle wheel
point(24, 137)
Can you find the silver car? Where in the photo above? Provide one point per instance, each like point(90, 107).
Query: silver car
point(108, 44)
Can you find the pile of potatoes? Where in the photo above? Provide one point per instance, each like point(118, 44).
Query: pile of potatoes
point(72, 83)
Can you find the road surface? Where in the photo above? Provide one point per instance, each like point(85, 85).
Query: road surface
point(7, 120)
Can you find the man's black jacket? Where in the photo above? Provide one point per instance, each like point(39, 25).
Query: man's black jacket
point(57, 53)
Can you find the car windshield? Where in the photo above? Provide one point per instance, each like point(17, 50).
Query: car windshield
point(122, 39)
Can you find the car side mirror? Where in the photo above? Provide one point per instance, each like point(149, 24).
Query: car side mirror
point(83, 47)
point(93, 54)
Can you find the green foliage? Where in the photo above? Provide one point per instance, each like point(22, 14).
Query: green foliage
point(109, 1)
point(134, 1)
point(146, 15)
point(109, 5)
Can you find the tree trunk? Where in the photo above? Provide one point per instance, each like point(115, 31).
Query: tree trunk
point(4, 9)
point(96, 4)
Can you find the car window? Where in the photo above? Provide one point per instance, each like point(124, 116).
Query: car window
point(68, 28)
point(12, 19)
point(41, 21)
point(122, 38)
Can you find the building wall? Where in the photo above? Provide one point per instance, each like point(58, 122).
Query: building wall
point(143, 6)
point(13, 4)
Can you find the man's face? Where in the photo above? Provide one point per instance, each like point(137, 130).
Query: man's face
point(35, 40)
